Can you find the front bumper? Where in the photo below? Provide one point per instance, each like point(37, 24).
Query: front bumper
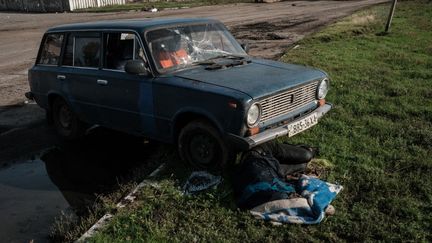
point(245, 143)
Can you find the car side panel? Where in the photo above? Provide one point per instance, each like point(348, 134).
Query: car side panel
point(174, 96)
point(127, 102)
point(42, 80)
point(81, 91)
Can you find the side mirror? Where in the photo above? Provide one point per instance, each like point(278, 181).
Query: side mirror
point(136, 67)
point(245, 47)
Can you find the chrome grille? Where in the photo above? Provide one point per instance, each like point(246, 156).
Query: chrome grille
point(288, 101)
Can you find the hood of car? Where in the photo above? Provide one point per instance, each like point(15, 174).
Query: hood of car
point(257, 78)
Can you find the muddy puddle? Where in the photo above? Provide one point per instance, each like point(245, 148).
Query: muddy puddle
point(66, 179)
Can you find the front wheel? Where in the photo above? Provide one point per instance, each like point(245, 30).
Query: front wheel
point(65, 121)
point(200, 144)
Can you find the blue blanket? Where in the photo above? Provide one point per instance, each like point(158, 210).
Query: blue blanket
point(316, 196)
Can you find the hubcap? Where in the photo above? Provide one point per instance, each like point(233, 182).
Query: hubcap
point(202, 149)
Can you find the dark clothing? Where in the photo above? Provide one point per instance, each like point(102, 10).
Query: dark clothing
point(259, 178)
point(255, 170)
point(290, 154)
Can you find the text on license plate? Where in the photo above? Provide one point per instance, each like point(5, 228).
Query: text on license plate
point(301, 125)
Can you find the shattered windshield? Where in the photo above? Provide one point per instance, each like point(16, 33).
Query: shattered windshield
point(181, 46)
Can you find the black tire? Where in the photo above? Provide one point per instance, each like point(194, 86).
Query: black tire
point(65, 121)
point(49, 116)
point(202, 146)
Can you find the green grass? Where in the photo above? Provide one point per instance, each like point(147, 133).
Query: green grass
point(160, 5)
point(378, 137)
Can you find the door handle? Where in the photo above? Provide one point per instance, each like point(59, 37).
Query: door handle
point(102, 82)
point(61, 77)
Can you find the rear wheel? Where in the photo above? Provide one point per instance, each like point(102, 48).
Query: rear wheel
point(201, 145)
point(66, 121)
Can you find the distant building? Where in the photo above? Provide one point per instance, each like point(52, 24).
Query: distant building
point(53, 5)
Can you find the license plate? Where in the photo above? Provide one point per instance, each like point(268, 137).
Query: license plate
point(303, 124)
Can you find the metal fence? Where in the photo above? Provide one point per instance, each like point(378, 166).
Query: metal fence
point(53, 5)
point(77, 4)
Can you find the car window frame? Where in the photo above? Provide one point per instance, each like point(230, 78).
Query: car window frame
point(69, 33)
point(140, 43)
point(42, 45)
point(152, 70)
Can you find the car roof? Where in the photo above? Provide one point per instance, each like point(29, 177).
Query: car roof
point(138, 25)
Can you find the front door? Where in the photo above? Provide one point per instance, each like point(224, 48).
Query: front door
point(126, 99)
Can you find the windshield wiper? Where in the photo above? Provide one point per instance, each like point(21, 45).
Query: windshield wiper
point(230, 56)
point(225, 55)
point(223, 60)
point(227, 64)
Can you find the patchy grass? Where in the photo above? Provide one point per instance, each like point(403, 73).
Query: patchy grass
point(379, 134)
point(378, 137)
point(160, 5)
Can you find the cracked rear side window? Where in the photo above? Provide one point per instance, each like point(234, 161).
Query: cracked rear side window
point(51, 49)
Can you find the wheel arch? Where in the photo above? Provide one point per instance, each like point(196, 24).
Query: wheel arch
point(186, 116)
point(53, 96)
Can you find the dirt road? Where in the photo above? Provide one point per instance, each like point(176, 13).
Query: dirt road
point(269, 28)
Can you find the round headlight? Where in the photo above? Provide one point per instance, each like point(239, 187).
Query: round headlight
point(253, 115)
point(323, 88)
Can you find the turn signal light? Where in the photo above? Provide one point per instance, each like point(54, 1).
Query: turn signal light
point(321, 102)
point(253, 131)
point(232, 104)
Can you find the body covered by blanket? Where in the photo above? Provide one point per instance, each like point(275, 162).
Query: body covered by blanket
point(258, 183)
point(310, 208)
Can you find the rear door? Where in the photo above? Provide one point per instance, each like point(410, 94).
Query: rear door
point(79, 73)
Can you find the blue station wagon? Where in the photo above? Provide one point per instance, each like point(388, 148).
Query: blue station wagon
point(182, 81)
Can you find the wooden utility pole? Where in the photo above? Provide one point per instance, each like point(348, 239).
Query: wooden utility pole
point(390, 17)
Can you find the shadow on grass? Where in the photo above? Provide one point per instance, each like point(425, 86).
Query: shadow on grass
point(94, 173)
